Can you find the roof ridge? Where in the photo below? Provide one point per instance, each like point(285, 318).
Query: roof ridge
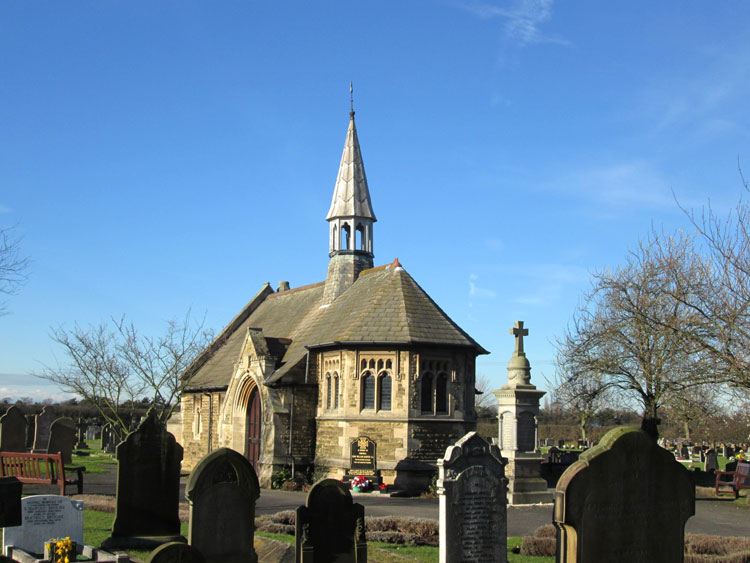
point(296, 289)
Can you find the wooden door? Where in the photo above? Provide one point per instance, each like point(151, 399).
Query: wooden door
point(253, 428)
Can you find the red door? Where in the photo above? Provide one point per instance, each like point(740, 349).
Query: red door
point(253, 428)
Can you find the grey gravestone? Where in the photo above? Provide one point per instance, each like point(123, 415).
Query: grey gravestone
point(148, 488)
point(42, 425)
point(10, 502)
point(175, 552)
point(330, 527)
point(13, 430)
point(624, 500)
point(108, 439)
point(712, 463)
point(473, 502)
point(45, 517)
point(222, 490)
point(62, 438)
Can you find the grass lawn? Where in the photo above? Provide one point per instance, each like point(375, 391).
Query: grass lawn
point(97, 526)
point(96, 461)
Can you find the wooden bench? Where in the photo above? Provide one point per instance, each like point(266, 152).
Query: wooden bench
point(740, 479)
point(39, 468)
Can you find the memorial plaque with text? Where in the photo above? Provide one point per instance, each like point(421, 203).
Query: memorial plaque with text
point(45, 517)
point(363, 456)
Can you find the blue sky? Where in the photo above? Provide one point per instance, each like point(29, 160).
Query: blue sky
point(157, 156)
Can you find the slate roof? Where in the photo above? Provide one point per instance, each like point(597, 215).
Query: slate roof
point(384, 305)
point(351, 196)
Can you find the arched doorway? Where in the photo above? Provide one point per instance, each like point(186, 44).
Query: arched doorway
point(253, 428)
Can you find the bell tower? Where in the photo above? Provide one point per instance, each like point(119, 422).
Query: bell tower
point(350, 220)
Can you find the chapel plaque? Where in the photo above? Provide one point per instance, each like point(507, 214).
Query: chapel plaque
point(363, 456)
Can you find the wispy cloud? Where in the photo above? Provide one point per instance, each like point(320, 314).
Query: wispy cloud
point(476, 291)
point(522, 20)
point(4, 209)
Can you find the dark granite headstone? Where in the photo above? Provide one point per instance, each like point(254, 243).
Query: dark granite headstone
point(330, 527)
point(222, 490)
point(175, 552)
point(13, 430)
point(41, 433)
point(473, 502)
point(624, 500)
point(30, 431)
point(81, 426)
point(712, 463)
point(62, 438)
point(10, 502)
point(148, 488)
point(684, 452)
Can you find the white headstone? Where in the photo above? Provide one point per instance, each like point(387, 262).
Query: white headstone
point(45, 517)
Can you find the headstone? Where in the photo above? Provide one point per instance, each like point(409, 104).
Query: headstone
point(712, 463)
point(330, 527)
point(549, 442)
point(148, 487)
point(175, 552)
point(45, 517)
point(62, 438)
point(222, 490)
point(561, 443)
point(30, 431)
point(624, 500)
point(108, 439)
point(42, 425)
point(10, 502)
point(81, 426)
point(94, 432)
point(473, 502)
point(13, 430)
point(728, 451)
point(684, 452)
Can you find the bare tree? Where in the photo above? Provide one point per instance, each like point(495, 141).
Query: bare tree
point(114, 366)
point(624, 334)
point(484, 401)
point(725, 307)
point(692, 408)
point(13, 266)
point(584, 394)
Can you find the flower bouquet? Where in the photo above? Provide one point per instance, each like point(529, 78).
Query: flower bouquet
point(360, 484)
point(61, 550)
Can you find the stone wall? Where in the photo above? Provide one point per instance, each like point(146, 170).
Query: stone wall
point(428, 440)
point(196, 433)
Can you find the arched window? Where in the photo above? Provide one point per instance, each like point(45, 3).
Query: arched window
point(335, 391)
point(368, 391)
point(345, 236)
point(384, 392)
point(441, 395)
point(359, 238)
point(426, 392)
point(328, 391)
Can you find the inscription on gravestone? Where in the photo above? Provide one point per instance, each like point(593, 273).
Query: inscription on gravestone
point(45, 517)
point(473, 502)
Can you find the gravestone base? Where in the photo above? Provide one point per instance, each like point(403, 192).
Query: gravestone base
point(139, 542)
point(526, 485)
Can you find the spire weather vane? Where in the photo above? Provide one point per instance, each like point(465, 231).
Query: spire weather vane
point(351, 97)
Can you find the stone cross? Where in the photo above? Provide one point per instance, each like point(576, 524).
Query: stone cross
point(519, 332)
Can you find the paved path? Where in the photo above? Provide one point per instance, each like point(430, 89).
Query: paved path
point(712, 516)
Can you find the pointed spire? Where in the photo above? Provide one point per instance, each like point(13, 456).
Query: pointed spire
point(351, 196)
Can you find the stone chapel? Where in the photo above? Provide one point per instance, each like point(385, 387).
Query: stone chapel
point(300, 373)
